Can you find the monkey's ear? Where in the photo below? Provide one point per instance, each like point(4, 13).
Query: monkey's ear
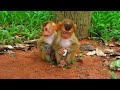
point(57, 26)
point(75, 26)
point(54, 27)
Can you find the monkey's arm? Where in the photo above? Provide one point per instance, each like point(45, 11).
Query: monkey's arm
point(55, 44)
point(43, 47)
point(76, 45)
point(40, 41)
point(74, 48)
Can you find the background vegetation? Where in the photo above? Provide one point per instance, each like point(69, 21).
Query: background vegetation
point(105, 25)
point(18, 26)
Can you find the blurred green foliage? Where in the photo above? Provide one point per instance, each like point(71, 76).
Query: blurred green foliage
point(25, 24)
point(105, 25)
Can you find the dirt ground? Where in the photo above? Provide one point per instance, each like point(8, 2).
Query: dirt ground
point(27, 65)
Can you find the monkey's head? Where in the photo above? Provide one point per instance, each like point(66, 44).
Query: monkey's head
point(67, 28)
point(48, 28)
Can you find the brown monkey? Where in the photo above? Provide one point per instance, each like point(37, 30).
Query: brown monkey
point(66, 44)
point(44, 43)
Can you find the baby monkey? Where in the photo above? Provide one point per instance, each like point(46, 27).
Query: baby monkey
point(66, 44)
point(44, 43)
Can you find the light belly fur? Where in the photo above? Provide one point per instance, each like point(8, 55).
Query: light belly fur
point(65, 43)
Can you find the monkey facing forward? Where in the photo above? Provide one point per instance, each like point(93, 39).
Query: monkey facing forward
point(44, 43)
point(66, 43)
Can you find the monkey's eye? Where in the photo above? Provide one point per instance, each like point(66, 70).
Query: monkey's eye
point(44, 29)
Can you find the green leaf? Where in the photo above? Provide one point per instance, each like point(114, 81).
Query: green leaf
point(113, 75)
point(73, 62)
point(118, 63)
point(18, 40)
point(115, 63)
point(53, 62)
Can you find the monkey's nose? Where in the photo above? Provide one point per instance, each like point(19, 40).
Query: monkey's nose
point(45, 35)
point(67, 27)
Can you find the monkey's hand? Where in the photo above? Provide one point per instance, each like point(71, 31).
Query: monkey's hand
point(48, 52)
point(64, 52)
point(68, 50)
point(61, 51)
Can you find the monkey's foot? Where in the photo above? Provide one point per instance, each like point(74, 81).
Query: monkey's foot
point(62, 64)
point(79, 60)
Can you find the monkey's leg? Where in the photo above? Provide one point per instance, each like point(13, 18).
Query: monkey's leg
point(70, 57)
point(58, 57)
point(49, 53)
point(53, 55)
point(43, 54)
point(48, 58)
point(60, 60)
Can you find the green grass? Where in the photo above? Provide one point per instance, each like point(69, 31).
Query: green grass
point(26, 24)
point(105, 25)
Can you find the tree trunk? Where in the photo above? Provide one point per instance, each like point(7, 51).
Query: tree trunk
point(81, 18)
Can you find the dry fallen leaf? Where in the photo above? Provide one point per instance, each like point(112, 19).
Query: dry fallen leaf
point(6, 47)
point(111, 44)
point(31, 41)
point(116, 54)
point(117, 57)
point(117, 43)
point(87, 47)
point(106, 63)
point(91, 53)
point(100, 52)
point(24, 47)
point(108, 51)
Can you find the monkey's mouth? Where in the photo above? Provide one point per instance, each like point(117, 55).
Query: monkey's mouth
point(65, 35)
point(46, 35)
point(69, 33)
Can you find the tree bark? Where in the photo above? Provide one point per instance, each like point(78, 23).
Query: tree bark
point(81, 18)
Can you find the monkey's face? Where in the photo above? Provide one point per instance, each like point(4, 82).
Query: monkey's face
point(66, 33)
point(67, 28)
point(48, 30)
